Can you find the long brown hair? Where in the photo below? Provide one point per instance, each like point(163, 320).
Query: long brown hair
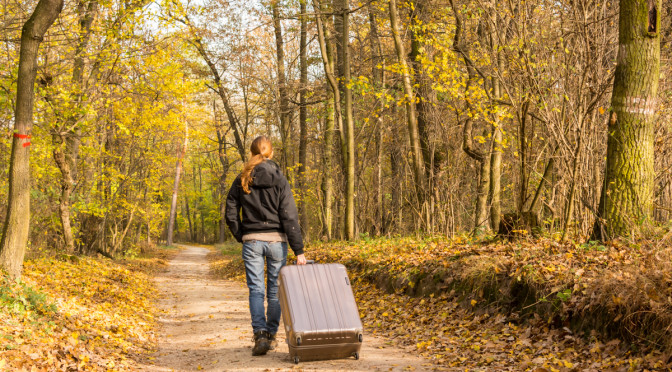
point(261, 150)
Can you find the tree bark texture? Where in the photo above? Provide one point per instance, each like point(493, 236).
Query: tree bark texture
point(628, 189)
point(17, 221)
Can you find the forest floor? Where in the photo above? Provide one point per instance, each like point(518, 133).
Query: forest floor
point(206, 326)
point(426, 304)
point(80, 313)
point(528, 305)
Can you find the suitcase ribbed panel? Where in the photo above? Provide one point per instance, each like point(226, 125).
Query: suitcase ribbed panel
point(318, 305)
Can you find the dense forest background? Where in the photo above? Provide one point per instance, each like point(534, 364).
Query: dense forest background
point(419, 117)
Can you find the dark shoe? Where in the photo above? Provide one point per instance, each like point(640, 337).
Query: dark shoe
point(272, 340)
point(261, 343)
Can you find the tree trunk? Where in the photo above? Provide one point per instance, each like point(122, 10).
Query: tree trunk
point(569, 201)
point(544, 180)
point(303, 117)
point(628, 191)
point(223, 159)
point(409, 100)
point(396, 163)
point(222, 209)
point(349, 130)
point(17, 221)
point(192, 236)
point(481, 217)
point(327, 180)
point(496, 152)
point(338, 7)
point(200, 204)
point(282, 84)
point(523, 153)
point(67, 185)
point(424, 92)
point(378, 74)
point(496, 177)
point(328, 64)
point(176, 187)
point(119, 242)
point(221, 91)
point(484, 158)
point(66, 160)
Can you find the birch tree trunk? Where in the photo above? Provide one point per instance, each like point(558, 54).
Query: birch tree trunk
point(628, 189)
point(17, 221)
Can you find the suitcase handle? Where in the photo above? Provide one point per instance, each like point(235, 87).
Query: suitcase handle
point(310, 262)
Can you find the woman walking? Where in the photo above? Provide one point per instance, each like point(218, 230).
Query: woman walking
point(269, 221)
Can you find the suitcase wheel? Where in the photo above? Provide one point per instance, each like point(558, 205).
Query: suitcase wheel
point(296, 360)
point(356, 355)
point(360, 337)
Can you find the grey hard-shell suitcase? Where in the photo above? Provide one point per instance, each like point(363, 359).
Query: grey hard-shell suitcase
point(319, 312)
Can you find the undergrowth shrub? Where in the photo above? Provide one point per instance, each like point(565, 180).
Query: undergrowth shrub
point(19, 298)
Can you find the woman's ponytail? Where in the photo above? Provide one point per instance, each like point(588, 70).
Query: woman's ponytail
point(261, 150)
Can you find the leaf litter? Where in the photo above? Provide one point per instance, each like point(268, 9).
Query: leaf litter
point(530, 305)
point(78, 313)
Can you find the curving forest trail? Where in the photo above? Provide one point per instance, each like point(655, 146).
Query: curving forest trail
point(206, 327)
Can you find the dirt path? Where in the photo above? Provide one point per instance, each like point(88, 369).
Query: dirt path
point(206, 327)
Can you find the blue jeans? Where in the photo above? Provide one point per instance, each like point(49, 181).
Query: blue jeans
point(275, 254)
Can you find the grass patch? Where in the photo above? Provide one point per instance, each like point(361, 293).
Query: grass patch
point(230, 248)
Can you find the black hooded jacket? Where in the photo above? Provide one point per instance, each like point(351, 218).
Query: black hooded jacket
point(269, 207)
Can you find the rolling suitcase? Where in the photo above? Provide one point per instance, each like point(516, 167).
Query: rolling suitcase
point(319, 312)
